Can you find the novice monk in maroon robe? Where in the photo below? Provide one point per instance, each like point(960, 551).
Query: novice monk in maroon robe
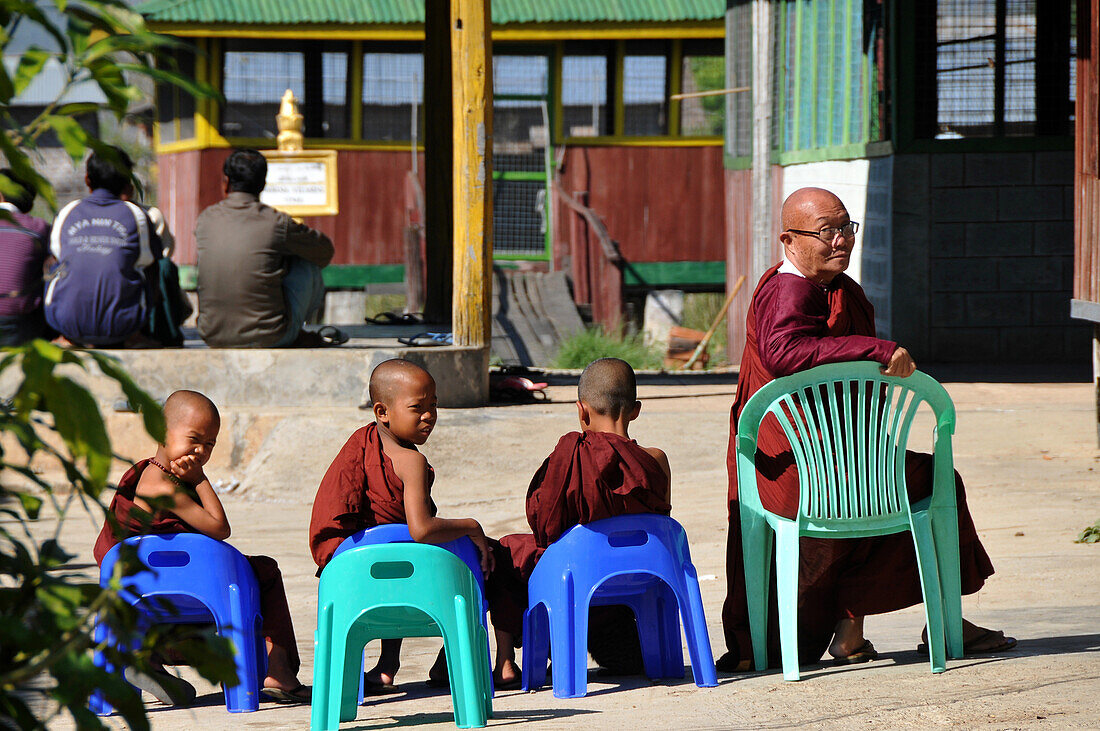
point(378, 478)
point(175, 474)
point(806, 312)
point(597, 473)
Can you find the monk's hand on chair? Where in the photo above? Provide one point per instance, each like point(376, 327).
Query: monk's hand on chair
point(482, 543)
point(901, 364)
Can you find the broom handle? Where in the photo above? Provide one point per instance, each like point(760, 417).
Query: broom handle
point(714, 326)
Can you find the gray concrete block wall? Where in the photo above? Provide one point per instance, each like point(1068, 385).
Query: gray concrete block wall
point(991, 235)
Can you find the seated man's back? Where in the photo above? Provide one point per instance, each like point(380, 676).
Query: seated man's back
point(249, 254)
point(99, 295)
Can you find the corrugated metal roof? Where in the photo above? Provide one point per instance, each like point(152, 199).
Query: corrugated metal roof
point(367, 12)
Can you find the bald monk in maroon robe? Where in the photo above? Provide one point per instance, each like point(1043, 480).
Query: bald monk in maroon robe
point(806, 312)
point(379, 477)
point(597, 473)
point(175, 475)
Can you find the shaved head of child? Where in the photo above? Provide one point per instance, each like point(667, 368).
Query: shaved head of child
point(609, 387)
point(183, 405)
point(392, 376)
point(403, 399)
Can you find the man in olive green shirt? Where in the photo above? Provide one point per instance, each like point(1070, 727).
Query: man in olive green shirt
point(259, 270)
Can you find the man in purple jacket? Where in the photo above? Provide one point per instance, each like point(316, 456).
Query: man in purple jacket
point(101, 292)
point(24, 242)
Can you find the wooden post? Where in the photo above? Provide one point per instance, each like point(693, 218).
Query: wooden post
point(763, 231)
point(438, 162)
point(472, 75)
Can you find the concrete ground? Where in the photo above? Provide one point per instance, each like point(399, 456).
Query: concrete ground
point(1028, 454)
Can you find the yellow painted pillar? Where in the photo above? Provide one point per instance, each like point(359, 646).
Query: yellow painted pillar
point(472, 76)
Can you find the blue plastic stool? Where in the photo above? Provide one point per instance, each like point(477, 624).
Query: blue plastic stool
point(201, 580)
point(391, 591)
point(641, 561)
point(463, 547)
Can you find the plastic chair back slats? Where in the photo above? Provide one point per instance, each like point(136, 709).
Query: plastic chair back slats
point(848, 439)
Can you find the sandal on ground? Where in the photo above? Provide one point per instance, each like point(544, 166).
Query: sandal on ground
point(374, 687)
point(731, 663)
point(333, 335)
point(865, 653)
point(392, 318)
point(514, 684)
point(974, 646)
point(428, 339)
point(299, 695)
point(165, 687)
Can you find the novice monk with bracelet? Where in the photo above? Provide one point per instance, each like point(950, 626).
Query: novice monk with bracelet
point(175, 475)
point(379, 477)
point(597, 473)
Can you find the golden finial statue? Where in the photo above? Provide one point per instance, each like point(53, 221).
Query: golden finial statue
point(290, 123)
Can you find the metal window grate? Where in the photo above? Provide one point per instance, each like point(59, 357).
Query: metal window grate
point(519, 218)
point(393, 90)
point(253, 84)
point(255, 74)
point(702, 116)
point(584, 82)
point(645, 96)
point(739, 73)
point(999, 68)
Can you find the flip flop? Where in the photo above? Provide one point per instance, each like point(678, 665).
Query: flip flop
point(165, 687)
point(333, 335)
point(1006, 643)
point(428, 339)
point(392, 318)
point(299, 695)
point(513, 684)
point(372, 687)
point(865, 653)
point(730, 663)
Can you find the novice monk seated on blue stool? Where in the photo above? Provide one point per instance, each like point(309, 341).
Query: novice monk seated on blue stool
point(597, 473)
point(191, 429)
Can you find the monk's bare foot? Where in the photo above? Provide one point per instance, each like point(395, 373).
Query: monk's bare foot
point(848, 638)
point(507, 676)
point(977, 640)
point(380, 676)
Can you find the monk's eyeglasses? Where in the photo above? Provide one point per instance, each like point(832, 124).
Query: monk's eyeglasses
point(829, 233)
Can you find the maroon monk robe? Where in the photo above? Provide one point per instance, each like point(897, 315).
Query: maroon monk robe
point(795, 324)
point(278, 628)
point(359, 490)
point(588, 477)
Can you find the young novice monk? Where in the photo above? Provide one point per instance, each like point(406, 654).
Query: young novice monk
point(175, 474)
point(597, 473)
point(379, 477)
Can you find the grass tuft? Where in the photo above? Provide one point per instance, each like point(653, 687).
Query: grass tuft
point(592, 343)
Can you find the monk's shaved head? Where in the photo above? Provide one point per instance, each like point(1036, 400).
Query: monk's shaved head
point(182, 404)
point(803, 206)
point(389, 377)
point(609, 387)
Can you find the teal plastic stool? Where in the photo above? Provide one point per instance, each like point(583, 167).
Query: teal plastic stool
point(848, 426)
point(391, 591)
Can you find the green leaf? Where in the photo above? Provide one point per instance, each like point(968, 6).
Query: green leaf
point(31, 504)
point(196, 89)
point(142, 402)
point(71, 135)
point(7, 88)
point(21, 166)
point(78, 421)
point(30, 64)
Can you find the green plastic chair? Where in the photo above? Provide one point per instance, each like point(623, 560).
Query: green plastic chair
point(848, 426)
point(395, 590)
